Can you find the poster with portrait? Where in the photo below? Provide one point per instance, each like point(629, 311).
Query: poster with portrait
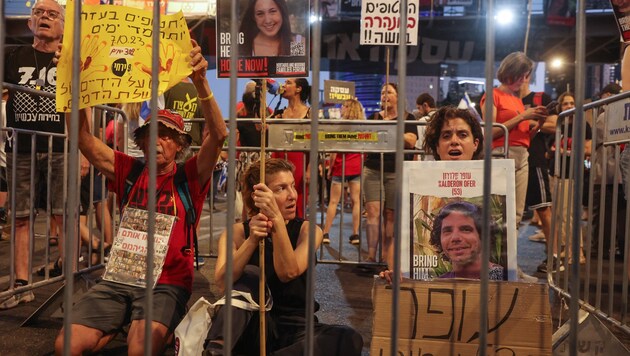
point(621, 9)
point(442, 208)
point(272, 41)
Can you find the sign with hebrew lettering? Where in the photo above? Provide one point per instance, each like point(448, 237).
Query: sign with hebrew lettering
point(272, 40)
point(338, 91)
point(443, 206)
point(116, 53)
point(128, 258)
point(380, 22)
point(442, 318)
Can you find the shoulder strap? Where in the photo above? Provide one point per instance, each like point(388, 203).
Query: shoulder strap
point(538, 98)
point(191, 216)
point(131, 180)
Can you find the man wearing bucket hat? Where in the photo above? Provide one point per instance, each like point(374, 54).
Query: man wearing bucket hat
point(109, 306)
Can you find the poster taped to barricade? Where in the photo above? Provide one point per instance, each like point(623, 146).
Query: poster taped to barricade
point(617, 123)
point(622, 19)
point(128, 257)
point(380, 22)
point(116, 53)
point(442, 226)
point(338, 91)
point(273, 38)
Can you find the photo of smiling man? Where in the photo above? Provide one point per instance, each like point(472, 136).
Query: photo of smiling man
point(456, 234)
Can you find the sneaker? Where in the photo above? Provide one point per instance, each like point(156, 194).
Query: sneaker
point(538, 237)
point(326, 239)
point(524, 277)
point(556, 267)
point(354, 239)
point(14, 300)
point(200, 261)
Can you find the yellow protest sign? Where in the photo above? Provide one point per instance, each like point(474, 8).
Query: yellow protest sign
point(116, 50)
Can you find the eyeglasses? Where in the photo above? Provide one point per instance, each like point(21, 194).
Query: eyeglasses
point(52, 14)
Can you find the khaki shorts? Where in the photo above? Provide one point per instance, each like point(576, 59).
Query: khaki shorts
point(373, 190)
point(23, 189)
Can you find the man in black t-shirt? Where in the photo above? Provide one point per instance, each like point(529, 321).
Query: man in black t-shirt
point(32, 67)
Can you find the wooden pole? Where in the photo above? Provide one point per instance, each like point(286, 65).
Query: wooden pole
point(261, 245)
point(386, 79)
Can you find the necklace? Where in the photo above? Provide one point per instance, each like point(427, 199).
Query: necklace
point(40, 82)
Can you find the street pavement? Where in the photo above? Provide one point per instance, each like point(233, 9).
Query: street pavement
point(343, 289)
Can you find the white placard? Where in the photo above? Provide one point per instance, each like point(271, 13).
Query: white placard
point(380, 22)
point(428, 186)
point(617, 122)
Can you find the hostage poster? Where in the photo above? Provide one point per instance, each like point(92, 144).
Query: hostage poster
point(128, 258)
point(442, 229)
point(272, 40)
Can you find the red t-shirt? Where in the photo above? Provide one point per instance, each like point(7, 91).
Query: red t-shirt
point(353, 164)
point(178, 266)
point(508, 106)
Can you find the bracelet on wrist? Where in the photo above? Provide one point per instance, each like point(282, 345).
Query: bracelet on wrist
point(207, 97)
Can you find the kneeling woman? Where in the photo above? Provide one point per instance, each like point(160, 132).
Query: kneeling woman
point(271, 207)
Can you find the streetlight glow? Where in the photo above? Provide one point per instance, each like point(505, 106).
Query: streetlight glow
point(556, 63)
point(504, 17)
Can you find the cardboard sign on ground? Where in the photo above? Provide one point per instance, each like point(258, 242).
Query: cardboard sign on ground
point(441, 317)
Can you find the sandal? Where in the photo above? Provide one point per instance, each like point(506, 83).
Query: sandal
point(56, 271)
point(53, 241)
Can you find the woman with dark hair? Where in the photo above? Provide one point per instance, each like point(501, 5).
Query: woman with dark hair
point(456, 235)
point(372, 183)
point(266, 29)
point(272, 217)
point(453, 134)
point(297, 91)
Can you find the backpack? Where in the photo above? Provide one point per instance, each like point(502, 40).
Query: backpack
point(184, 193)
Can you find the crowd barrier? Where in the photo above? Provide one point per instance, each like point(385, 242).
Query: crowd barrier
point(44, 252)
point(602, 234)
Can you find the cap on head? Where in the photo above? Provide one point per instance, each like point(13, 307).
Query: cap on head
point(168, 118)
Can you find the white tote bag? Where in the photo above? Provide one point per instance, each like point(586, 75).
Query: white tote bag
point(191, 332)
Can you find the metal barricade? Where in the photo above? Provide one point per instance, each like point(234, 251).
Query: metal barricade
point(40, 216)
point(602, 265)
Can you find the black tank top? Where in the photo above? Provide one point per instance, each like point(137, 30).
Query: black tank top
point(290, 297)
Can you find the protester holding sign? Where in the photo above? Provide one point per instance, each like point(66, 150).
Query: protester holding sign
point(272, 212)
point(109, 306)
point(452, 134)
